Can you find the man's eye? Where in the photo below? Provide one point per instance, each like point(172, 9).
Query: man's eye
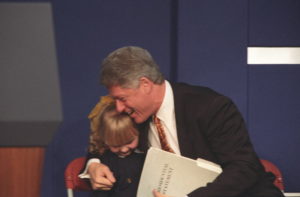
point(122, 99)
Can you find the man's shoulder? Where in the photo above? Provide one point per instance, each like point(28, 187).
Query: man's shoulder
point(197, 96)
point(185, 89)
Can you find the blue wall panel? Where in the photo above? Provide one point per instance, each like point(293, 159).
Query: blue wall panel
point(274, 92)
point(274, 23)
point(211, 49)
point(274, 100)
point(86, 31)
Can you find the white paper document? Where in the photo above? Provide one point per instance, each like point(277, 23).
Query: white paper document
point(174, 175)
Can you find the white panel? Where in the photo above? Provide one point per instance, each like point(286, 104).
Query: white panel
point(273, 55)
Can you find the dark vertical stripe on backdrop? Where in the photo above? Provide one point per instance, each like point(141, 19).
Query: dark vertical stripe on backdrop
point(174, 41)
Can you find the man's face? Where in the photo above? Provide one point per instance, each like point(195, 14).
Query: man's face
point(134, 101)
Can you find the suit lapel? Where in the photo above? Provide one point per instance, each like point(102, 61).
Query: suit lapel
point(185, 146)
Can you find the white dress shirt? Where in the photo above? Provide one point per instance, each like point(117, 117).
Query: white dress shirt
point(166, 114)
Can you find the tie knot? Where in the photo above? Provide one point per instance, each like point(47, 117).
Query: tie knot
point(155, 119)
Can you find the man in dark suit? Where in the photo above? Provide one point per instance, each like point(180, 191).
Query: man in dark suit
point(196, 122)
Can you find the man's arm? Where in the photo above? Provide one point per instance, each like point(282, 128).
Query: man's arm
point(230, 144)
point(101, 177)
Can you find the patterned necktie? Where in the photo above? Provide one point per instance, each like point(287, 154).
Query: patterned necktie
point(162, 136)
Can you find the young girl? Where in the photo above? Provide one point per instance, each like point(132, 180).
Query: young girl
point(114, 138)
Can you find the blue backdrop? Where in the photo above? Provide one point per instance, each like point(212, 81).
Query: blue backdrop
point(197, 41)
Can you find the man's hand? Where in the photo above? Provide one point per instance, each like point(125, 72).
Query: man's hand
point(157, 194)
point(101, 176)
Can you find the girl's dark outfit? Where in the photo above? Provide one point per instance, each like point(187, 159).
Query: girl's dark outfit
point(127, 172)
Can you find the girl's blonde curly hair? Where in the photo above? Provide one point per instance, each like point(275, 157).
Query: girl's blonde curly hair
point(109, 127)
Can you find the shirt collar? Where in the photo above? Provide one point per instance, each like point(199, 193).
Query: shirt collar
point(167, 106)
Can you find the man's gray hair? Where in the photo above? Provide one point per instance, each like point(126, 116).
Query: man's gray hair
point(125, 66)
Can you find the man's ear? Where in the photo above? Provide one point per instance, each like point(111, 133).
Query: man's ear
point(146, 85)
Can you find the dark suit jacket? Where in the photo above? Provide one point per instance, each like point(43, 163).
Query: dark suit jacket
point(210, 126)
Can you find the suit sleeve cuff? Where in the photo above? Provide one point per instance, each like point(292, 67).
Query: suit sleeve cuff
point(85, 174)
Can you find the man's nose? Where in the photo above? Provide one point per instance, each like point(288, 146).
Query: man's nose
point(120, 106)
